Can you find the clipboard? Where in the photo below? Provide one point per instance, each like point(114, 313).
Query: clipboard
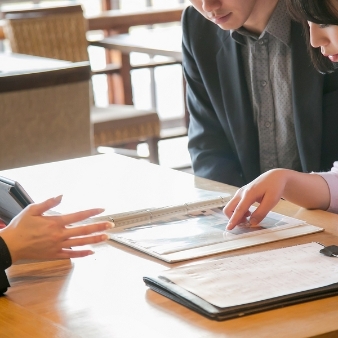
point(181, 296)
point(13, 199)
point(205, 288)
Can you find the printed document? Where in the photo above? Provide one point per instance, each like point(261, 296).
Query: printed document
point(255, 277)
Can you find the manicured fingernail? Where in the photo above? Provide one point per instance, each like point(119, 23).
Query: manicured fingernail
point(99, 210)
point(253, 221)
point(110, 225)
point(229, 226)
point(58, 199)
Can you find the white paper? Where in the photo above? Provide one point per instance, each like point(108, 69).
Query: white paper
point(198, 229)
point(255, 277)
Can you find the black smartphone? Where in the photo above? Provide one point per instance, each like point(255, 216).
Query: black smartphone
point(13, 199)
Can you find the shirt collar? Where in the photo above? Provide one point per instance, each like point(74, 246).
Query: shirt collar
point(279, 26)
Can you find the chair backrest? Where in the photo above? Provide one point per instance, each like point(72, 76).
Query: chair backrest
point(54, 32)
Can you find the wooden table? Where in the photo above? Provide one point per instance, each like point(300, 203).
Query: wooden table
point(19, 72)
point(44, 107)
point(104, 296)
point(121, 21)
point(158, 41)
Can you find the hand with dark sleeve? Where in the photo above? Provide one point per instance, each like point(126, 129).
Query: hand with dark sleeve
point(5, 262)
point(33, 235)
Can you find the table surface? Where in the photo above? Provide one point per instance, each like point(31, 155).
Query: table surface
point(122, 20)
point(14, 64)
point(104, 296)
point(165, 42)
point(22, 72)
point(157, 41)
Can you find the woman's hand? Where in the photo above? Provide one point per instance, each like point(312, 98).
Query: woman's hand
point(30, 235)
point(267, 190)
point(307, 190)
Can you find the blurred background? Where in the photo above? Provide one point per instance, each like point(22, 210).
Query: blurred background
point(168, 98)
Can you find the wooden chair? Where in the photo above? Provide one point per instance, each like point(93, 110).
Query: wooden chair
point(44, 109)
point(60, 33)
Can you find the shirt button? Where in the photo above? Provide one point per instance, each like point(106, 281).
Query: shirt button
point(261, 42)
point(263, 83)
point(267, 124)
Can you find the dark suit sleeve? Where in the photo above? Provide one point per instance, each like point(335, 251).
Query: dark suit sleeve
point(5, 262)
point(210, 150)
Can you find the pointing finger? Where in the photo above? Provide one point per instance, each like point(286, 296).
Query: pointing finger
point(267, 203)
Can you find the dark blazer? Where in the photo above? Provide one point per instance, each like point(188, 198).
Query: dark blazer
point(223, 139)
point(5, 262)
point(3, 282)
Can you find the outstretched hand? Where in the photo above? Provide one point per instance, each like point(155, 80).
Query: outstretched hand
point(31, 235)
point(267, 190)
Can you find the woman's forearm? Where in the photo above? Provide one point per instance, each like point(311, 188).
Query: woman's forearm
point(307, 190)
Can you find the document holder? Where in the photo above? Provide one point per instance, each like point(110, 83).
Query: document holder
point(178, 294)
point(13, 199)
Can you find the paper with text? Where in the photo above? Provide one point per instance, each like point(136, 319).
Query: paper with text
point(255, 277)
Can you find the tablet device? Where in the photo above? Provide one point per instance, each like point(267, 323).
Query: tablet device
point(13, 198)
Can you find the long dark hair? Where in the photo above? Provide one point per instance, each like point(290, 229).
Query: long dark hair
point(319, 12)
